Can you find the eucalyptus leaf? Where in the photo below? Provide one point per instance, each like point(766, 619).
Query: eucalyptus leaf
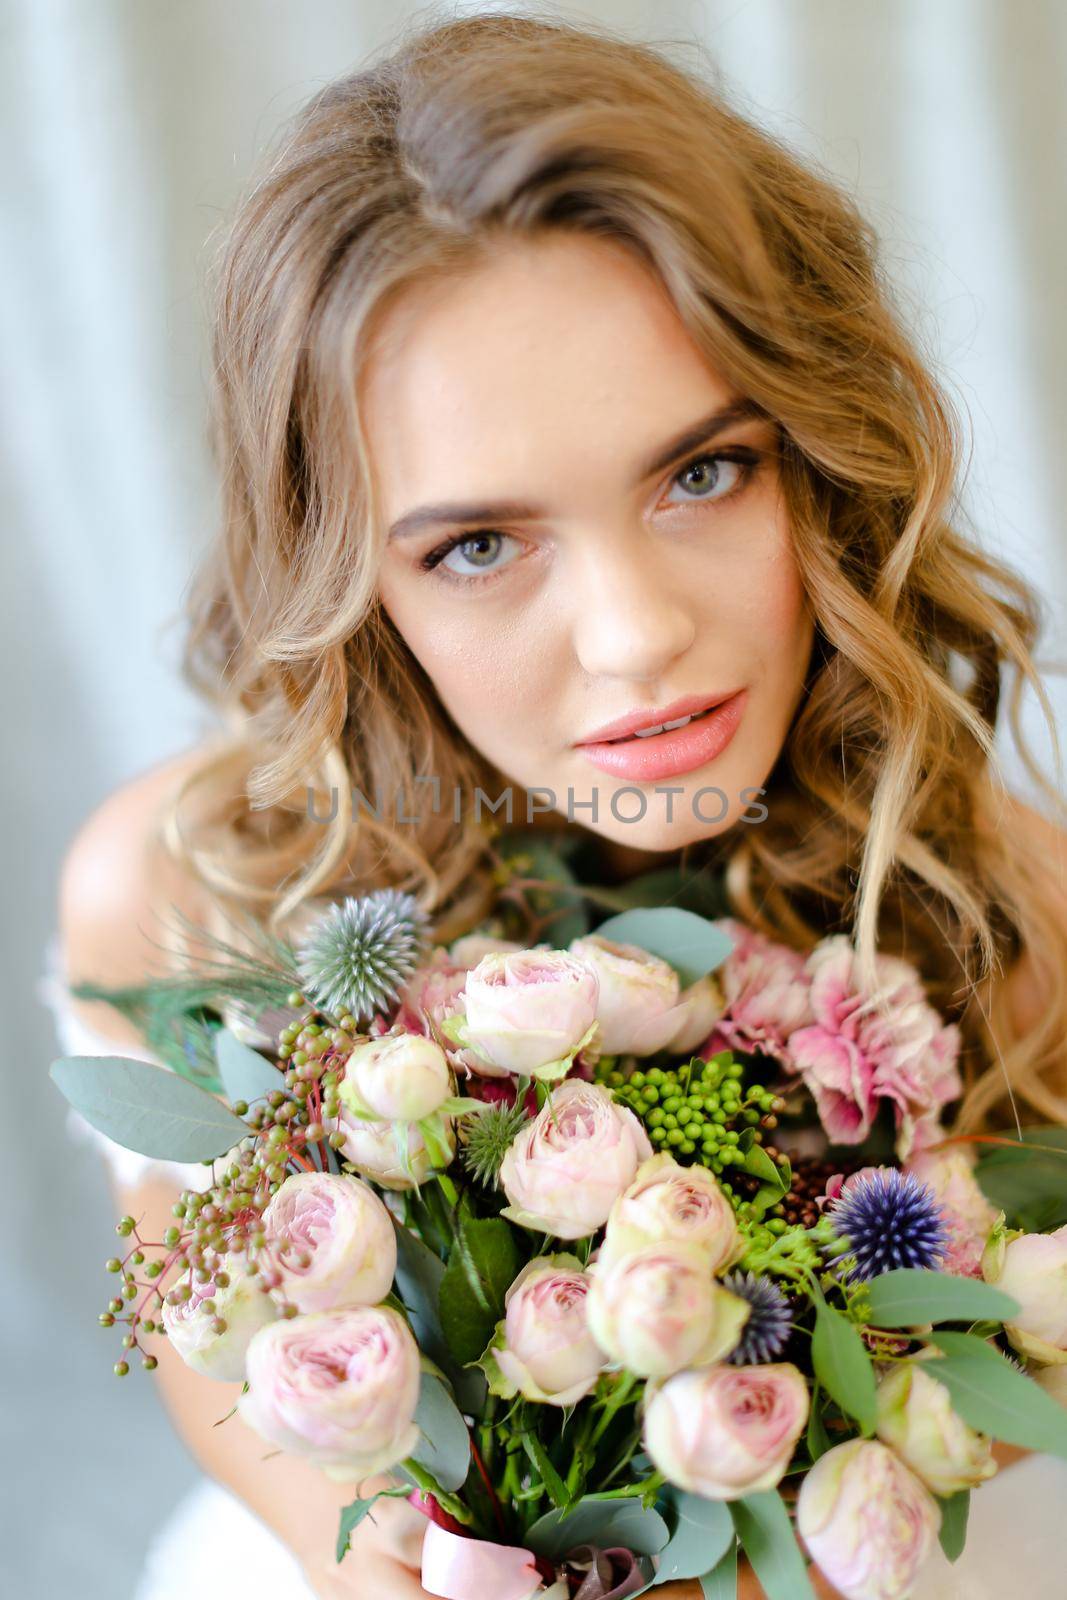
point(768, 1540)
point(912, 1296)
point(444, 1447)
point(721, 1582)
point(598, 1520)
point(245, 1074)
point(843, 1365)
point(689, 943)
point(953, 1530)
point(994, 1397)
point(147, 1108)
point(703, 1532)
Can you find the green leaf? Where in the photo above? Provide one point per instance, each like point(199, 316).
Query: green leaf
point(418, 1282)
point(721, 1582)
point(760, 1165)
point(692, 945)
point(147, 1108)
point(557, 1489)
point(703, 1531)
point(245, 1074)
point(352, 1515)
point(843, 1365)
point(445, 1447)
point(481, 1269)
point(768, 1540)
point(1028, 1184)
point(910, 1296)
point(953, 1532)
point(562, 900)
point(600, 1520)
point(992, 1396)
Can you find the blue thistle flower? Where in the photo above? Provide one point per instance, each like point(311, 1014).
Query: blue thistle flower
point(890, 1220)
point(356, 957)
point(767, 1330)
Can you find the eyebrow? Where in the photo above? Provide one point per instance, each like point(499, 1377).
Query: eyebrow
point(453, 511)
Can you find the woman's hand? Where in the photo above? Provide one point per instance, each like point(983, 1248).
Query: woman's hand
point(384, 1555)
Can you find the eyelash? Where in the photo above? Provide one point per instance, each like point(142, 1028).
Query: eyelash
point(745, 457)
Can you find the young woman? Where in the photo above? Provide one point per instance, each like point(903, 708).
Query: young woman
point(557, 404)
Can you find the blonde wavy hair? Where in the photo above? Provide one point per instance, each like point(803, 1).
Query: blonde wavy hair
point(882, 809)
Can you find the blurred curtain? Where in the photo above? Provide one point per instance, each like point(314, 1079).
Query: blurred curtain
point(129, 126)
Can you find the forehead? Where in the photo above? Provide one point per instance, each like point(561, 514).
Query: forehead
point(559, 356)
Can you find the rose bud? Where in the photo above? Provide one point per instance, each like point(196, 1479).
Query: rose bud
point(339, 1387)
point(1033, 1270)
point(244, 1306)
point(401, 1076)
point(658, 1309)
point(725, 1431)
point(916, 1418)
point(867, 1521)
point(393, 1154)
point(638, 1009)
point(528, 1012)
point(669, 1201)
point(543, 1348)
point(343, 1249)
point(564, 1170)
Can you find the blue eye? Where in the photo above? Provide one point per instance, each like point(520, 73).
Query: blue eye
point(480, 549)
point(706, 476)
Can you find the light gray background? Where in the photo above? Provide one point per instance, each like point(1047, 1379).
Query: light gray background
point(128, 127)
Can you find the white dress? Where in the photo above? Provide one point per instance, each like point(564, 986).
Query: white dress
point(1017, 1537)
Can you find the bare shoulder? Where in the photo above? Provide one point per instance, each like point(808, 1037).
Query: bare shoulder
point(118, 886)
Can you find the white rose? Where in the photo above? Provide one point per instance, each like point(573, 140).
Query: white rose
point(243, 1304)
point(401, 1076)
point(915, 1416)
point(659, 1309)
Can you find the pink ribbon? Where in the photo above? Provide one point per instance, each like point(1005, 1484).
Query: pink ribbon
point(458, 1568)
point(473, 1569)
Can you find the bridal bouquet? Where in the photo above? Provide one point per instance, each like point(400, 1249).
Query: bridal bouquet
point(510, 1229)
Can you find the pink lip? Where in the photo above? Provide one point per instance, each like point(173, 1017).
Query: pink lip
point(688, 706)
point(665, 755)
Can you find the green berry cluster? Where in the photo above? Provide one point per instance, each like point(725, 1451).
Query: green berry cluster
point(700, 1111)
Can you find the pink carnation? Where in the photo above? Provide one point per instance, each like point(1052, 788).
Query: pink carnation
point(856, 1054)
point(765, 987)
point(968, 1214)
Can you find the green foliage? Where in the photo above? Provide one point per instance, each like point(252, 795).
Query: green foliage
point(482, 1266)
point(690, 944)
point(843, 1365)
point(768, 1540)
point(444, 1448)
point(352, 1515)
point(603, 1520)
point(245, 1074)
point(911, 1296)
point(702, 1532)
point(1027, 1180)
point(953, 1530)
point(145, 1107)
point(993, 1396)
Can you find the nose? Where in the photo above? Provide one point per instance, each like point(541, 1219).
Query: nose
point(631, 619)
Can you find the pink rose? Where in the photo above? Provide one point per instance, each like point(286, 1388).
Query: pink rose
point(339, 1387)
point(1033, 1270)
point(528, 1013)
point(667, 1201)
point(726, 1431)
point(243, 1305)
point(432, 996)
point(639, 1008)
point(857, 1053)
point(659, 1309)
point(563, 1171)
point(766, 994)
point(968, 1215)
point(342, 1244)
point(544, 1349)
point(402, 1077)
point(867, 1521)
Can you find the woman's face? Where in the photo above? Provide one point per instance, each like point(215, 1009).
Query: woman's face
point(562, 557)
